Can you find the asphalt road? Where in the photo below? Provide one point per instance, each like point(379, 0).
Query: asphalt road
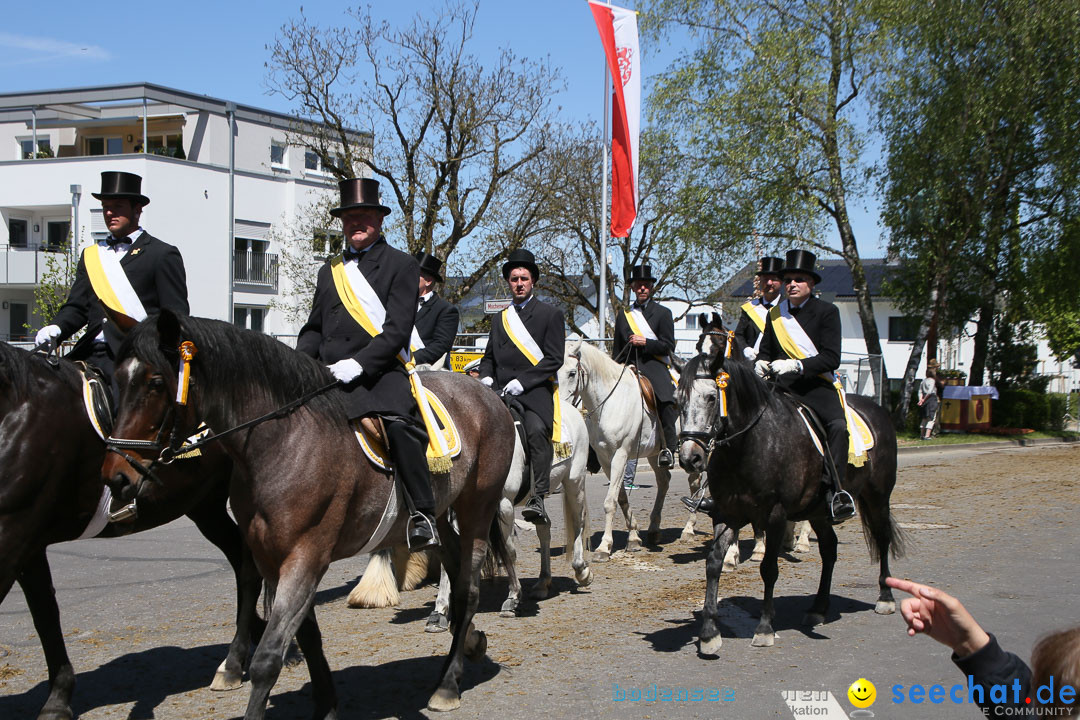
point(147, 618)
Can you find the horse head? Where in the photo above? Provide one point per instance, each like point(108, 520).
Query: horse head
point(149, 406)
point(701, 394)
point(571, 374)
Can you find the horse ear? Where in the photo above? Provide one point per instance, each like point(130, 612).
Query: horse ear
point(168, 326)
point(717, 320)
point(573, 347)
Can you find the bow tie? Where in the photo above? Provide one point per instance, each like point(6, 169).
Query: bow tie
point(114, 241)
point(352, 254)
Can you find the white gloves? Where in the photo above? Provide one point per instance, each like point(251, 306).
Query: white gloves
point(46, 334)
point(761, 367)
point(749, 353)
point(513, 387)
point(346, 370)
point(787, 366)
point(487, 381)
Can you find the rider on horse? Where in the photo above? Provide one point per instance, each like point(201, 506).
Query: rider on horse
point(755, 313)
point(645, 338)
point(524, 354)
point(436, 319)
point(371, 279)
point(130, 273)
point(801, 346)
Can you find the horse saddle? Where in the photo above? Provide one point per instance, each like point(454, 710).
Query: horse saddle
point(647, 391)
point(97, 397)
point(371, 434)
point(858, 444)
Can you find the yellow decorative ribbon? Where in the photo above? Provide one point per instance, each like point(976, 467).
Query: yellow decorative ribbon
point(183, 380)
point(722, 383)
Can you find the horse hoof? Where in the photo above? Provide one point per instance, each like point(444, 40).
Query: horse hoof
point(476, 647)
point(757, 557)
point(813, 619)
point(584, 577)
point(509, 608)
point(436, 623)
point(540, 591)
point(224, 680)
point(653, 537)
point(729, 567)
point(690, 536)
point(711, 648)
point(444, 701)
point(600, 556)
point(802, 547)
point(633, 546)
point(885, 607)
point(60, 713)
point(763, 640)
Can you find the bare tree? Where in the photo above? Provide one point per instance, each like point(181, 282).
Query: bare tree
point(448, 135)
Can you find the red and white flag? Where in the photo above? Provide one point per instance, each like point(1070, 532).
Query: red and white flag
point(618, 32)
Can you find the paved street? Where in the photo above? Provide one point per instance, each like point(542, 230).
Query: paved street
point(147, 618)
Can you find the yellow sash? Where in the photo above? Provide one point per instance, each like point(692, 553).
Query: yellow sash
point(645, 330)
point(859, 438)
point(519, 335)
point(111, 284)
point(438, 454)
point(756, 314)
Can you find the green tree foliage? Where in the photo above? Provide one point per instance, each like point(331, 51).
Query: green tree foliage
point(53, 287)
point(767, 100)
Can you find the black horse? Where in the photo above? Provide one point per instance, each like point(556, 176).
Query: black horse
point(50, 488)
point(303, 492)
point(764, 469)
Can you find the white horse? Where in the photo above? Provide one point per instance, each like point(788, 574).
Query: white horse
point(388, 571)
point(620, 428)
point(796, 539)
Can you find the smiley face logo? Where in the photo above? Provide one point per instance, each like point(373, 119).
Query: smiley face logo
point(862, 693)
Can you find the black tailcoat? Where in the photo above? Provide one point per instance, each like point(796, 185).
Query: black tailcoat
point(648, 359)
point(437, 326)
point(821, 322)
point(504, 362)
point(746, 330)
point(155, 270)
point(331, 333)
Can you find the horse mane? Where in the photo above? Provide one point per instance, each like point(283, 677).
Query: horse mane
point(17, 367)
point(742, 379)
point(248, 366)
point(600, 364)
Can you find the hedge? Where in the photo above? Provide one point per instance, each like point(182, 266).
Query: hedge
point(1029, 409)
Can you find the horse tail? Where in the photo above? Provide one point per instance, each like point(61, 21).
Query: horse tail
point(892, 533)
point(378, 585)
point(498, 555)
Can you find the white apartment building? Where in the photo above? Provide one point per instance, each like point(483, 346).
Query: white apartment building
point(224, 199)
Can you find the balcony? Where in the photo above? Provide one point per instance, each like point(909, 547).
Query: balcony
point(26, 264)
point(256, 268)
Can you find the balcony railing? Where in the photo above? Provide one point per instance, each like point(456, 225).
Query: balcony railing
point(253, 268)
point(26, 264)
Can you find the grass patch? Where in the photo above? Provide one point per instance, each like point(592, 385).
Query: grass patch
point(907, 439)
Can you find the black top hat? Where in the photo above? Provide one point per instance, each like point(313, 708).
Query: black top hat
point(801, 261)
point(641, 272)
point(521, 258)
point(121, 185)
point(770, 266)
point(359, 193)
point(429, 264)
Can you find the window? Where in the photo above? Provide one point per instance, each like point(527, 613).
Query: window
point(277, 155)
point(18, 232)
point(252, 318)
point(26, 148)
point(18, 320)
point(166, 145)
point(104, 146)
point(903, 328)
point(311, 161)
point(691, 321)
point(327, 242)
point(56, 234)
point(314, 164)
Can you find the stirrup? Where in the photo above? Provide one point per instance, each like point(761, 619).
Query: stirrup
point(421, 532)
point(842, 506)
point(666, 459)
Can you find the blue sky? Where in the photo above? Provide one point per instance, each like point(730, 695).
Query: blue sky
point(218, 49)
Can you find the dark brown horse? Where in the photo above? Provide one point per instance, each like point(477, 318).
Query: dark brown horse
point(50, 488)
point(764, 469)
point(303, 492)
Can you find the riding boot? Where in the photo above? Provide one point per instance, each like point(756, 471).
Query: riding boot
point(704, 505)
point(407, 444)
point(540, 455)
point(840, 503)
point(669, 416)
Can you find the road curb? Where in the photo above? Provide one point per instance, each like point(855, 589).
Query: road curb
point(985, 445)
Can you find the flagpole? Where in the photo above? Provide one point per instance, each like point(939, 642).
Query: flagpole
point(601, 304)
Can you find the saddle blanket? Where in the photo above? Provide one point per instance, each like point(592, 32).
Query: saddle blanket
point(860, 439)
point(376, 451)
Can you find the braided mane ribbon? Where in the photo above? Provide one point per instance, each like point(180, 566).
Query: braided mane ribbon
point(183, 379)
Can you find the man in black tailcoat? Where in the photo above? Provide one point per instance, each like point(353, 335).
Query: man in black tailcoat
point(648, 347)
point(755, 313)
point(151, 269)
point(506, 366)
point(374, 379)
point(436, 319)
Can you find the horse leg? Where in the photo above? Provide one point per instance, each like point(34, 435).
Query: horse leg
point(35, 579)
point(576, 514)
point(688, 533)
point(663, 480)
point(731, 557)
point(759, 546)
point(710, 639)
point(542, 588)
point(309, 638)
point(633, 540)
point(212, 520)
point(827, 544)
point(764, 636)
point(615, 474)
point(509, 534)
point(378, 586)
point(438, 620)
point(876, 516)
point(293, 598)
point(463, 564)
point(800, 540)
